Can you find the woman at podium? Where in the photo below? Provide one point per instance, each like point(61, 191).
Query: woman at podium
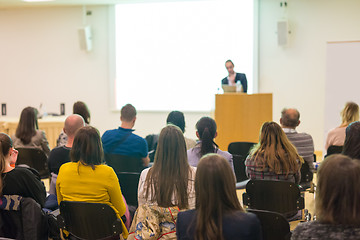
point(234, 77)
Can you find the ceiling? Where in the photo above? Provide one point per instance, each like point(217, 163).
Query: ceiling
point(20, 3)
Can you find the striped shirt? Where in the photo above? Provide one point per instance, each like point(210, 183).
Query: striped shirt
point(304, 145)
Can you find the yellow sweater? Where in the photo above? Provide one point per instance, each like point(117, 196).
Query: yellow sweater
point(77, 182)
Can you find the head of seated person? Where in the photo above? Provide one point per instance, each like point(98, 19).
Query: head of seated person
point(206, 131)
point(352, 140)
point(176, 118)
point(349, 114)
point(28, 124)
point(217, 205)
point(81, 109)
point(169, 182)
point(128, 116)
point(274, 156)
point(71, 125)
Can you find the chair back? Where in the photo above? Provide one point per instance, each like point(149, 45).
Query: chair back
point(274, 226)
point(122, 163)
point(89, 220)
point(240, 148)
point(34, 158)
point(239, 168)
point(277, 196)
point(333, 150)
point(129, 183)
point(306, 176)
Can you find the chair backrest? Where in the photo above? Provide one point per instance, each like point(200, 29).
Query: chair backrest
point(122, 163)
point(129, 183)
point(306, 174)
point(274, 226)
point(239, 168)
point(271, 195)
point(333, 150)
point(89, 220)
point(240, 148)
point(34, 158)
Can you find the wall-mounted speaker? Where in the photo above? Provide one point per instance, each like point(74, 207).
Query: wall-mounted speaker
point(85, 38)
point(282, 32)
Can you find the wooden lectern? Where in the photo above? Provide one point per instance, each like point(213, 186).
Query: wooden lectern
point(240, 116)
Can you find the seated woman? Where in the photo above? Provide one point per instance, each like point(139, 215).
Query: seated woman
point(274, 157)
point(18, 181)
point(218, 214)
point(336, 136)
point(86, 178)
point(206, 132)
point(337, 201)
point(164, 189)
point(27, 133)
point(81, 109)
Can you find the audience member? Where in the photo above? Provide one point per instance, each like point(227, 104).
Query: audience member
point(206, 132)
point(218, 214)
point(303, 142)
point(123, 141)
point(164, 189)
point(336, 136)
point(60, 155)
point(81, 109)
point(169, 182)
point(177, 118)
point(20, 180)
point(86, 178)
point(27, 133)
point(274, 157)
point(352, 141)
point(337, 201)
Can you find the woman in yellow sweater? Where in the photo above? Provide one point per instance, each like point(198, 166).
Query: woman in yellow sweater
point(86, 178)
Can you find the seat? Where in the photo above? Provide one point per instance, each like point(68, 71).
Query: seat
point(333, 149)
point(274, 226)
point(89, 220)
point(122, 163)
point(240, 148)
point(239, 168)
point(277, 196)
point(128, 171)
point(22, 218)
point(34, 158)
point(240, 151)
point(129, 183)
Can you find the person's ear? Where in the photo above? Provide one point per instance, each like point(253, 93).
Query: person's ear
point(215, 135)
point(64, 130)
point(197, 135)
point(298, 123)
point(281, 122)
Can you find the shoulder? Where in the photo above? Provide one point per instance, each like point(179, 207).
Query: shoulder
point(225, 154)
point(307, 229)
point(40, 133)
point(186, 214)
point(110, 132)
point(24, 172)
point(144, 173)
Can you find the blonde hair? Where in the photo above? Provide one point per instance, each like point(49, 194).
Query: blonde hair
point(337, 193)
point(350, 113)
point(275, 151)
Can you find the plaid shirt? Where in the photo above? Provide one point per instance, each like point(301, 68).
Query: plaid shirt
point(254, 171)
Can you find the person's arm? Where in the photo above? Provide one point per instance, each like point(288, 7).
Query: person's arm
point(35, 187)
point(144, 153)
point(244, 83)
point(58, 192)
point(141, 191)
point(45, 144)
point(146, 161)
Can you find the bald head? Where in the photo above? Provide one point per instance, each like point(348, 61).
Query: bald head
point(290, 118)
point(73, 123)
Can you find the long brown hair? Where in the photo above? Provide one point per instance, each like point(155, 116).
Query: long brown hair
point(275, 151)
point(28, 125)
point(206, 128)
point(5, 145)
point(87, 147)
point(215, 196)
point(337, 193)
point(169, 175)
point(81, 109)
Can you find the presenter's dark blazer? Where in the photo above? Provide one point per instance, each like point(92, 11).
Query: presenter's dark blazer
point(239, 77)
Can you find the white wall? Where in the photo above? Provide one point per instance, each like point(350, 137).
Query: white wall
point(296, 73)
point(41, 62)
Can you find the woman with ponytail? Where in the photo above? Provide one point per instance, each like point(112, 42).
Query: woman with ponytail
point(206, 132)
point(20, 180)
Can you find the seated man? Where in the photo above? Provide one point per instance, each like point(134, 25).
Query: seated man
point(123, 141)
point(290, 119)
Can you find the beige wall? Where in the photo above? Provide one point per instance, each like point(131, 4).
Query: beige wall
point(296, 73)
point(41, 61)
